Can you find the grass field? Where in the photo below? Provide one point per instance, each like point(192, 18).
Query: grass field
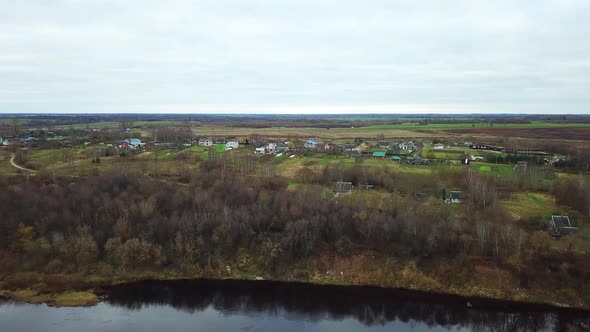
point(499, 169)
point(530, 204)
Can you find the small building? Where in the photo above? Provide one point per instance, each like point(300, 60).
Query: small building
point(521, 166)
point(383, 144)
point(479, 146)
point(282, 149)
point(124, 145)
point(354, 154)
point(379, 154)
point(271, 147)
point(343, 187)
point(561, 226)
point(261, 150)
point(136, 143)
point(349, 147)
point(311, 144)
point(396, 159)
point(438, 146)
point(465, 161)
point(454, 197)
point(232, 144)
point(205, 142)
point(410, 146)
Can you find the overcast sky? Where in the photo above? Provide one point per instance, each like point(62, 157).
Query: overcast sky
point(303, 56)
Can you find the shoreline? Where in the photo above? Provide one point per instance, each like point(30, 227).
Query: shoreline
point(99, 293)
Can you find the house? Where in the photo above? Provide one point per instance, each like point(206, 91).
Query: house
point(136, 143)
point(354, 154)
point(454, 197)
point(396, 159)
point(349, 147)
point(343, 187)
point(310, 144)
point(205, 142)
point(379, 154)
point(125, 144)
point(410, 146)
point(261, 150)
point(282, 149)
point(561, 226)
point(271, 147)
point(232, 144)
point(438, 146)
point(383, 144)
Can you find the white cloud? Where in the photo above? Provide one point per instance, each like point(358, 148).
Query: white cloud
point(297, 56)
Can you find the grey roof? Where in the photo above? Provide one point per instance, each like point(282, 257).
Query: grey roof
point(343, 187)
point(561, 221)
point(455, 195)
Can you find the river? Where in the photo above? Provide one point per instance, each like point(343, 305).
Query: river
point(268, 306)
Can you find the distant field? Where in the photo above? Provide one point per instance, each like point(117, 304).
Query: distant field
point(471, 125)
point(566, 133)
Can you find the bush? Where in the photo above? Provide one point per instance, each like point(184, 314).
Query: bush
point(21, 280)
point(54, 266)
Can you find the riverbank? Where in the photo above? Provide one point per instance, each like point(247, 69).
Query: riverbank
point(237, 305)
point(85, 289)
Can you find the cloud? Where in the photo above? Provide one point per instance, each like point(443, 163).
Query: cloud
point(308, 56)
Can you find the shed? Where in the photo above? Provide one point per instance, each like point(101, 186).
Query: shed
point(379, 154)
point(311, 144)
point(343, 187)
point(561, 226)
point(454, 197)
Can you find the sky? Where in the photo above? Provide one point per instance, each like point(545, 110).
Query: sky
point(304, 56)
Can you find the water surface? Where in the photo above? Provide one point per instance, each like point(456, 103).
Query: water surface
point(268, 306)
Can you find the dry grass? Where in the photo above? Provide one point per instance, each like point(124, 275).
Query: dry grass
point(75, 299)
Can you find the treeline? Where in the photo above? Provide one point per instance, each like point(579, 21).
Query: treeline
point(114, 223)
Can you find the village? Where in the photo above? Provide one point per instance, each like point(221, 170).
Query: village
point(400, 190)
point(484, 158)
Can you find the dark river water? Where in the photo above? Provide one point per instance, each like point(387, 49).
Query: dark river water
point(269, 306)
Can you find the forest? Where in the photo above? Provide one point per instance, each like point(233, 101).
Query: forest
point(64, 233)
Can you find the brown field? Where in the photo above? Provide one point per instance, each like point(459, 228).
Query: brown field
point(579, 134)
point(320, 133)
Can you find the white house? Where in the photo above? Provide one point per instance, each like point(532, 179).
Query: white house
point(260, 150)
point(311, 144)
point(438, 146)
point(136, 143)
point(271, 147)
point(205, 142)
point(232, 144)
